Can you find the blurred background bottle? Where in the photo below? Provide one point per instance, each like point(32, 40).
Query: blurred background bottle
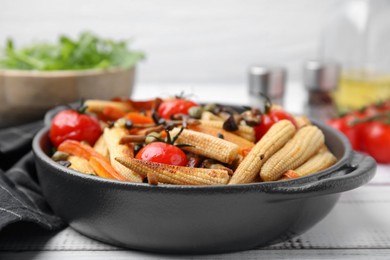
point(357, 36)
point(269, 81)
point(320, 80)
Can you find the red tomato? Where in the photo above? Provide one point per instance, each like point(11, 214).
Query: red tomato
point(376, 138)
point(373, 110)
point(350, 129)
point(162, 153)
point(267, 120)
point(175, 106)
point(350, 132)
point(71, 124)
point(368, 130)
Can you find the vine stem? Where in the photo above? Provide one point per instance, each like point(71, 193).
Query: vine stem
point(381, 115)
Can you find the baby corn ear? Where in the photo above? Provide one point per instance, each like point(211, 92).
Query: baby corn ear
point(302, 121)
point(80, 164)
point(318, 162)
point(172, 174)
point(206, 115)
point(207, 145)
point(272, 141)
point(101, 147)
point(97, 106)
point(243, 143)
point(305, 143)
point(112, 136)
point(244, 131)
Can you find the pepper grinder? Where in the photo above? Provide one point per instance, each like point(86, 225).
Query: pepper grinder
point(320, 80)
point(269, 81)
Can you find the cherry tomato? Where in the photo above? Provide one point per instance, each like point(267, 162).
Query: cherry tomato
point(162, 153)
point(376, 138)
point(175, 106)
point(71, 124)
point(270, 118)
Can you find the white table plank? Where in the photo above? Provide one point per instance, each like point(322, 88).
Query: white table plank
point(333, 254)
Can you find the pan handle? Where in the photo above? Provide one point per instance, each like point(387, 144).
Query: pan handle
point(357, 172)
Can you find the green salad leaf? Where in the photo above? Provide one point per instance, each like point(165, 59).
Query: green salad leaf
point(87, 52)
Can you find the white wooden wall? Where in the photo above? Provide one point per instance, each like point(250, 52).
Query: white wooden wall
point(197, 42)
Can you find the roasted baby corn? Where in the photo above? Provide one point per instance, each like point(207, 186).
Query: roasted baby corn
point(80, 164)
point(207, 145)
point(302, 121)
point(277, 136)
point(97, 106)
point(238, 140)
point(171, 174)
point(244, 131)
point(101, 146)
point(207, 115)
point(320, 161)
point(112, 137)
point(304, 144)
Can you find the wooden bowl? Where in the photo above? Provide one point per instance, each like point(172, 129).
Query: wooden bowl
point(25, 96)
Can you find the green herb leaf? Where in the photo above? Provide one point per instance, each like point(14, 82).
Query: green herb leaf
point(87, 52)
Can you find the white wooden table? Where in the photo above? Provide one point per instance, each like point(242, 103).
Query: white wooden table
point(357, 228)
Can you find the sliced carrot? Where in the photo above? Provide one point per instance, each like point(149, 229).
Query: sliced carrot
point(137, 105)
point(113, 113)
point(149, 113)
point(103, 168)
point(137, 118)
point(163, 134)
point(78, 149)
point(244, 151)
point(290, 174)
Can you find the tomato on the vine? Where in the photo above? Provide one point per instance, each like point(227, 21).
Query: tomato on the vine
point(74, 125)
point(164, 153)
point(352, 132)
point(174, 106)
point(376, 137)
point(368, 130)
point(270, 118)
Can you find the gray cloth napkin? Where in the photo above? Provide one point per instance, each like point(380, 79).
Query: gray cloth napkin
point(20, 195)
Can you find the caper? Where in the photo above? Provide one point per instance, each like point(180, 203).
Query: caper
point(230, 124)
point(85, 142)
point(64, 163)
point(251, 118)
point(152, 137)
point(137, 148)
point(60, 156)
point(195, 112)
point(128, 124)
point(210, 107)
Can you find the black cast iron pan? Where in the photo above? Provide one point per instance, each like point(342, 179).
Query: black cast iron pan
point(198, 219)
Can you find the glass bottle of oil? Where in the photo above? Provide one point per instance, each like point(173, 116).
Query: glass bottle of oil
point(357, 36)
